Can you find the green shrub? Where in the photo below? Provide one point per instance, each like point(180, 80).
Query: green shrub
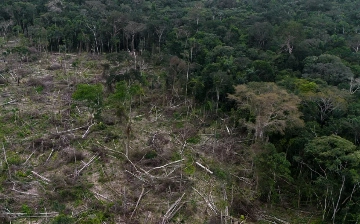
point(150, 155)
point(63, 219)
point(26, 209)
point(13, 158)
point(194, 139)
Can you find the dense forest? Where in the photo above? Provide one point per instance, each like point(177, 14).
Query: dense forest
point(262, 97)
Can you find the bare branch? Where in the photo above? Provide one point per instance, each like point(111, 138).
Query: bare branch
point(138, 201)
point(208, 202)
point(87, 131)
point(49, 155)
point(172, 210)
point(163, 166)
point(23, 192)
point(41, 177)
point(71, 130)
point(29, 157)
point(206, 169)
point(11, 101)
point(6, 160)
point(87, 164)
point(102, 196)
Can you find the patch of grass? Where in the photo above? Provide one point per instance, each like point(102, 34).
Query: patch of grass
point(190, 168)
point(175, 156)
point(91, 64)
point(13, 158)
point(100, 126)
point(194, 139)
point(57, 206)
point(20, 173)
point(94, 216)
point(63, 219)
point(23, 133)
point(179, 124)
point(102, 178)
point(26, 209)
point(76, 193)
point(220, 173)
point(76, 63)
point(39, 89)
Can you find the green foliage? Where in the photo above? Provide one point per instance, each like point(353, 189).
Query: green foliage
point(74, 193)
point(63, 219)
point(22, 174)
point(333, 153)
point(273, 170)
point(57, 206)
point(327, 67)
point(150, 155)
point(194, 139)
point(21, 50)
point(76, 63)
point(305, 86)
point(334, 165)
point(220, 173)
point(189, 165)
point(100, 126)
point(13, 158)
point(117, 57)
point(39, 89)
point(97, 217)
point(92, 94)
point(26, 209)
point(262, 71)
point(125, 92)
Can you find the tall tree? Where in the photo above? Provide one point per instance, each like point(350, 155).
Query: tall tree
point(290, 33)
point(274, 108)
point(333, 165)
point(324, 103)
point(131, 29)
point(329, 68)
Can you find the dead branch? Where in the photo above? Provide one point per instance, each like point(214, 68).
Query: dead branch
point(206, 169)
point(5, 158)
point(163, 166)
point(173, 170)
point(228, 130)
point(246, 180)
point(271, 218)
point(52, 150)
point(138, 201)
point(71, 130)
point(139, 169)
point(172, 210)
point(36, 214)
point(41, 177)
point(102, 196)
point(208, 202)
point(72, 55)
point(87, 164)
point(140, 178)
point(22, 192)
point(28, 157)
point(88, 129)
point(11, 101)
